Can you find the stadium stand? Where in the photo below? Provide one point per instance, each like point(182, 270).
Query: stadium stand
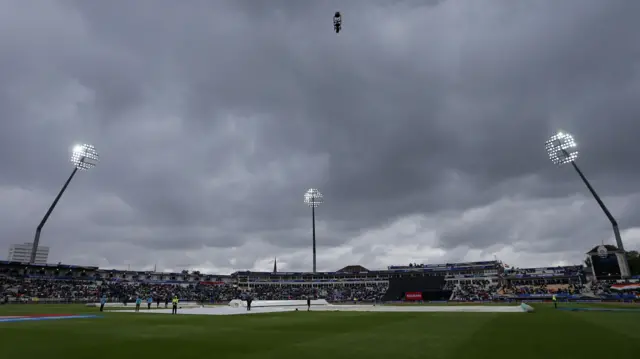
point(462, 281)
point(472, 281)
point(566, 282)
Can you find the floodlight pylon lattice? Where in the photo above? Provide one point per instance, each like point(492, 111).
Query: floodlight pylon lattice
point(83, 157)
point(561, 149)
point(313, 198)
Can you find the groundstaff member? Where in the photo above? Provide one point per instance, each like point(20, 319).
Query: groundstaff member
point(174, 301)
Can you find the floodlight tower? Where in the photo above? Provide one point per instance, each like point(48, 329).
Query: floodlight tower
point(313, 198)
point(83, 158)
point(561, 148)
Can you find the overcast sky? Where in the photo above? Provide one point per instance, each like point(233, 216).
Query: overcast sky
point(423, 123)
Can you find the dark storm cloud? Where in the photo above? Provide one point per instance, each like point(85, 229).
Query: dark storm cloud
point(213, 118)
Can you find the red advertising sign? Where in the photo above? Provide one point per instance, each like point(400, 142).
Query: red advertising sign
point(413, 296)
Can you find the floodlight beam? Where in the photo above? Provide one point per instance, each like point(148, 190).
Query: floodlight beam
point(36, 239)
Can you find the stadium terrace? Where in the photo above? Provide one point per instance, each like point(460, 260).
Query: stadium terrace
point(470, 281)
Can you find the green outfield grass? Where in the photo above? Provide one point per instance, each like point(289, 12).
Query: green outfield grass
point(546, 334)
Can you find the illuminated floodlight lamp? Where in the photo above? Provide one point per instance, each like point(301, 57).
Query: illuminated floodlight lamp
point(313, 197)
point(84, 157)
point(561, 148)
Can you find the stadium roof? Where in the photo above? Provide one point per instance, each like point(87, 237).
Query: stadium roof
point(353, 269)
point(609, 247)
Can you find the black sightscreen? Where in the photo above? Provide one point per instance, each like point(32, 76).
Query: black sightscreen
point(431, 288)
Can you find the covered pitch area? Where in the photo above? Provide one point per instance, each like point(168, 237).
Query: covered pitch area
point(238, 307)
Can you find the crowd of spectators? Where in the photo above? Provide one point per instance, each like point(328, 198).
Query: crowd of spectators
point(602, 288)
point(475, 290)
point(19, 288)
point(43, 288)
point(523, 288)
point(128, 291)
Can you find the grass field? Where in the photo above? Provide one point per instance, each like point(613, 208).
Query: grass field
point(547, 334)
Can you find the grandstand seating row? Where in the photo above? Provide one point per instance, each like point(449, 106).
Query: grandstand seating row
point(462, 282)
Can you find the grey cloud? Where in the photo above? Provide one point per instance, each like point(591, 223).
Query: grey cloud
point(212, 119)
point(539, 226)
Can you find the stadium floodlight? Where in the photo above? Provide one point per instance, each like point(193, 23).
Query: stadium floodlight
point(313, 198)
point(561, 148)
point(83, 157)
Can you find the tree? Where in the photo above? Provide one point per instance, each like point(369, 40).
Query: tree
point(633, 258)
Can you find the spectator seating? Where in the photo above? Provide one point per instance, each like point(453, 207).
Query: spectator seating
point(66, 290)
point(16, 287)
point(476, 290)
point(541, 290)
